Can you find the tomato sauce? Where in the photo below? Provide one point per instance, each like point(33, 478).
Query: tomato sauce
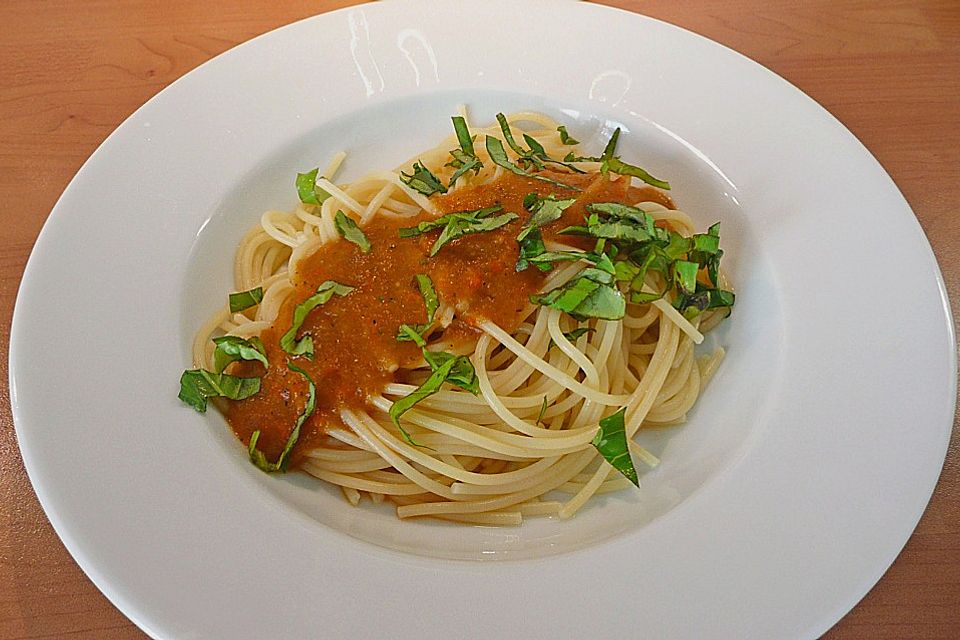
point(354, 336)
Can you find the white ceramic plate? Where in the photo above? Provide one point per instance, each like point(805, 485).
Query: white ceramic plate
point(796, 482)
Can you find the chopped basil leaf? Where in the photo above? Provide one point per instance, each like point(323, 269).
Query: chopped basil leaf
point(611, 442)
point(308, 190)
point(463, 135)
point(232, 348)
point(430, 298)
point(429, 387)
point(430, 225)
point(508, 136)
point(462, 374)
point(432, 303)
point(459, 224)
point(616, 165)
point(347, 227)
point(245, 299)
point(304, 346)
point(499, 157)
point(545, 210)
point(571, 157)
point(593, 293)
point(198, 385)
point(721, 298)
point(543, 410)
point(420, 179)
point(446, 367)
point(565, 137)
point(537, 152)
point(258, 458)
point(465, 158)
point(530, 254)
point(685, 274)
point(531, 247)
point(408, 333)
point(572, 336)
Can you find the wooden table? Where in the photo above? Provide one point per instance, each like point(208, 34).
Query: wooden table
point(70, 72)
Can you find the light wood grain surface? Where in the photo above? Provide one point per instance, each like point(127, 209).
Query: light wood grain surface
point(70, 72)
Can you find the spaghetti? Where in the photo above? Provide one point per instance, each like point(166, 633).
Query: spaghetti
point(476, 337)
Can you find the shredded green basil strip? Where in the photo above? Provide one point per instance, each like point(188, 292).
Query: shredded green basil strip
point(258, 458)
point(686, 275)
point(565, 138)
point(430, 225)
point(198, 385)
point(304, 346)
point(429, 387)
point(463, 373)
point(537, 152)
point(459, 224)
point(500, 158)
point(463, 135)
point(531, 247)
point(465, 158)
point(611, 442)
point(347, 227)
point(574, 335)
point(232, 348)
point(420, 179)
point(308, 190)
point(546, 209)
point(571, 157)
point(508, 136)
point(614, 164)
point(431, 301)
point(543, 211)
point(593, 293)
point(412, 333)
point(245, 299)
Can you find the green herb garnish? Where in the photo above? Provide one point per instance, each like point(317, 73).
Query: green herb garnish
point(462, 374)
point(304, 346)
point(308, 190)
point(431, 301)
point(611, 442)
point(245, 299)
point(565, 137)
point(465, 158)
point(543, 211)
point(258, 458)
point(592, 293)
point(574, 335)
point(347, 227)
point(232, 348)
point(446, 367)
point(499, 157)
point(429, 387)
point(614, 164)
point(420, 179)
point(458, 224)
point(198, 385)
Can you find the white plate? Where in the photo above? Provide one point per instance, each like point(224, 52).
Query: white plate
point(796, 482)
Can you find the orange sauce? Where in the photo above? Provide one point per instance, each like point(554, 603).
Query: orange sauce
point(354, 336)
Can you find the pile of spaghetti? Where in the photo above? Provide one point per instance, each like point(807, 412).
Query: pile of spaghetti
point(475, 337)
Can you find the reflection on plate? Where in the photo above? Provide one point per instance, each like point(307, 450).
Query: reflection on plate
point(802, 470)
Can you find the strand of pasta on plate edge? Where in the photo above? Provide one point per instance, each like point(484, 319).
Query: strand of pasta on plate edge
point(475, 337)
